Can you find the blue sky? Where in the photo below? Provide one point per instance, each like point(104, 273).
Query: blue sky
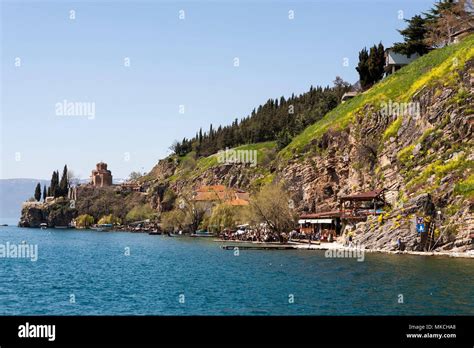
point(173, 62)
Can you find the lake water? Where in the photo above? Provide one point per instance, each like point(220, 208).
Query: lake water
point(186, 276)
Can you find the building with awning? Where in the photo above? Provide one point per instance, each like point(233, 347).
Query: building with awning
point(321, 224)
point(353, 208)
point(360, 205)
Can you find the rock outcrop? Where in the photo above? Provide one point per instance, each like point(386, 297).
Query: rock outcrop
point(56, 213)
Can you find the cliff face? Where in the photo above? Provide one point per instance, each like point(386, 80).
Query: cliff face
point(410, 134)
point(59, 213)
point(428, 154)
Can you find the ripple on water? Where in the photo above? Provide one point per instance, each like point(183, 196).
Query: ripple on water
point(160, 271)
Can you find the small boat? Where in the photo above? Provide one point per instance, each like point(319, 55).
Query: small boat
point(43, 226)
point(154, 233)
point(103, 227)
point(205, 234)
point(61, 227)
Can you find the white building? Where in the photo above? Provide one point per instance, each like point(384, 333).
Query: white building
point(394, 60)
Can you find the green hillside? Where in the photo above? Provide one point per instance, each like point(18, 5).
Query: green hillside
point(438, 65)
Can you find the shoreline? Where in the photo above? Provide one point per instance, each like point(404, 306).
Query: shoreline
point(338, 246)
point(305, 246)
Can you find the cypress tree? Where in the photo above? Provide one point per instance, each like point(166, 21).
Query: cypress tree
point(363, 69)
point(376, 63)
point(38, 192)
point(64, 183)
point(54, 186)
point(44, 193)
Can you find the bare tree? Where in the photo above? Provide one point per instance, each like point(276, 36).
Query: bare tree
point(193, 211)
point(273, 206)
point(72, 178)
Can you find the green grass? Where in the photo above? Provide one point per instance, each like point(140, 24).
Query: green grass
point(438, 65)
point(466, 187)
point(440, 169)
point(205, 163)
point(263, 181)
point(392, 130)
point(405, 154)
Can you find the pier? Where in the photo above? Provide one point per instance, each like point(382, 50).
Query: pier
point(259, 247)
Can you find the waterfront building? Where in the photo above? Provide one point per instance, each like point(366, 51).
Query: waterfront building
point(360, 205)
point(353, 208)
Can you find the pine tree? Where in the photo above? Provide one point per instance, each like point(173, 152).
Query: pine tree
point(264, 123)
point(437, 11)
point(38, 192)
point(414, 37)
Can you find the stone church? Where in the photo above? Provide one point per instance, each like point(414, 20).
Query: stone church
point(101, 176)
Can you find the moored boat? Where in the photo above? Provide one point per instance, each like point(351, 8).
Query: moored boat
point(202, 233)
point(102, 227)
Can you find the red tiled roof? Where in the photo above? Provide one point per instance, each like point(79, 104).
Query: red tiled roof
point(209, 196)
point(239, 202)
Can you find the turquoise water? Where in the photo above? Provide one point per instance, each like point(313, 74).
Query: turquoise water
point(160, 271)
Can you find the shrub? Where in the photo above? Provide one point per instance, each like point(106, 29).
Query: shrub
point(405, 154)
point(173, 220)
point(140, 212)
point(109, 219)
point(84, 221)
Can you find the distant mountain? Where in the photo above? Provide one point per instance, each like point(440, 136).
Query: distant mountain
point(118, 181)
point(12, 193)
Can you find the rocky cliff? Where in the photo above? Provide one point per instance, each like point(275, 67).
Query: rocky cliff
point(94, 201)
point(57, 213)
point(410, 134)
